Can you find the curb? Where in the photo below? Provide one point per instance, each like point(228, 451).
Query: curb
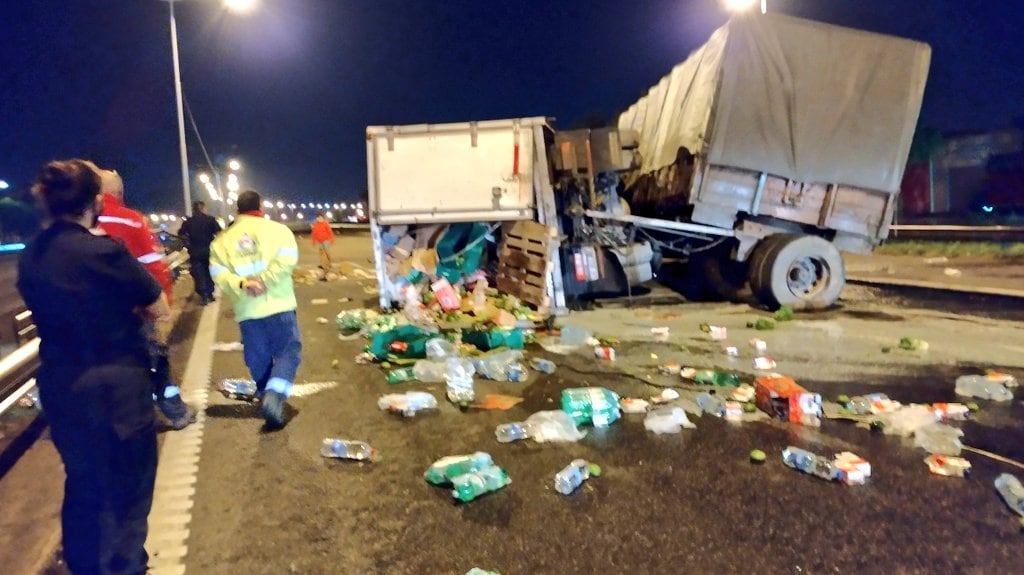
point(923, 284)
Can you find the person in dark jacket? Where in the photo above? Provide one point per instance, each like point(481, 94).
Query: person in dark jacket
point(89, 298)
point(198, 232)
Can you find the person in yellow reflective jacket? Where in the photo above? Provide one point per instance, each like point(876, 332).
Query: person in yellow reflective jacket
point(252, 262)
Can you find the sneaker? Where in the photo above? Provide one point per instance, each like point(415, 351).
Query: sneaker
point(272, 409)
point(178, 413)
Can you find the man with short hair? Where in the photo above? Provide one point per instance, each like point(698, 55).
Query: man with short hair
point(252, 262)
point(198, 231)
point(131, 229)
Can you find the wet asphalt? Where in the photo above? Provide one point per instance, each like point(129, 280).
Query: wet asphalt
point(266, 502)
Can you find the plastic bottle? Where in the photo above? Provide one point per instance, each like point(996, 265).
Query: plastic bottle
point(811, 464)
point(501, 366)
point(711, 404)
point(469, 486)
point(447, 468)
point(939, 439)
point(480, 294)
point(951, 411)
point(714, 377)
point(440, 348)
point(553, 425)
point(429, 371)
point(982, 387)
point(948, 466)
point(570, 478)
point(509, 432)
point(345, 449)
point(408, 403)
point(574, 335)
point(1012, 491)
point(667, 420)
point(595, 405)
point(861, 404)
point(458, 376)
point(239, 388)
point(401, 375)
point(543, 365)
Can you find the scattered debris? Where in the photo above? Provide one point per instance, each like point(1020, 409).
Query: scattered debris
point(322, 320)
point(759, 345)
point(764, 363)
point(845, 467)
point(948, 466)
point(594, 405)
point(784, 313)
point(574, 474)
point(479, 571)
point(407, 404)
point(717, 332)
point(1012, 492)
point(319, 301)
point(983, 387)
point(744, 393)
point(780, 397)
point(758, 456)
point(937, 260)
point(605, 352)
point(762, 324)
point(543, 365)
point(667, 420)
point(666, 396)
point(497, 402)
point(855, 468)
point(633, 405)
point(240, 389)
point(952, 272)
point(227, 346)
point(913, 344)
point(347, 449)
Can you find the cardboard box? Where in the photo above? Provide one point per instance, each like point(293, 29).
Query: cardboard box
point(780, 397)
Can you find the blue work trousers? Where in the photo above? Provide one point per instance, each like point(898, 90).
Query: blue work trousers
point(272, 350)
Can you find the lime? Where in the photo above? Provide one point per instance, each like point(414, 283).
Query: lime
point(749, 408)
point(595, 470)
point(973, 406)
point(843, 399)
point(757, 456)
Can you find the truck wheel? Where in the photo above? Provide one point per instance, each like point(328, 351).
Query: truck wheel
point(799, 271)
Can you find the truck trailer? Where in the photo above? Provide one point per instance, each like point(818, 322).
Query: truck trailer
point(776, 146)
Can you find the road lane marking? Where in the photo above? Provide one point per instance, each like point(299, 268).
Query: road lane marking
point(178, 468)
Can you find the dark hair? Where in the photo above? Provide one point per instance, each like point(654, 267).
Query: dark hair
point(249, 201)
point(67, 187)
point(197, 205)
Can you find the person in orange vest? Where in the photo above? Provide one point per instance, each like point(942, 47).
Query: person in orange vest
point(131, 229)
point(323, 238)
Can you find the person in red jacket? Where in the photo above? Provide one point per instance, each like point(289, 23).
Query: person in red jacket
point(131, 228)
point(323, 238)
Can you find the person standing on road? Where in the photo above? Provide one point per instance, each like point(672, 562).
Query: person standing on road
point(252, 261)
point(131, 229)
point(86, 293)
point(198, 232)
point(323, 238)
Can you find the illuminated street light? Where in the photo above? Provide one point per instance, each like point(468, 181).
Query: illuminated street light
point(268, 204)
point(154, 218)
point(4, 185)
point(234, 165)
point(280, 205)
point(204, 178)
point(284, 216)
point(303, 206)
point(737, 6)
point(344, 206)
point(330, 215)
point(299, 215)
point(240, 6)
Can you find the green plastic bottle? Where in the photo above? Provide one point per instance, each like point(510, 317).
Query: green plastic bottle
point(469, 486)
point(595, 405)
point(401, 375)
point(447, 468)
point(713, 377)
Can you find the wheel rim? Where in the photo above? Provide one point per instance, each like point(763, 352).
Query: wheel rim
point(808, 276)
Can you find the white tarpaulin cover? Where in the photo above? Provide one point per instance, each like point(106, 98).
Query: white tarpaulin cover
point(794, 98)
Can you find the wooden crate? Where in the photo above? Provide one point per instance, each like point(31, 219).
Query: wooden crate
point(523, 263)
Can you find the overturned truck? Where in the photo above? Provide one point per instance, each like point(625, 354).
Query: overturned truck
point(774, 147)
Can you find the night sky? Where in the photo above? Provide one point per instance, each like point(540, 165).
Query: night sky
point(290, 88)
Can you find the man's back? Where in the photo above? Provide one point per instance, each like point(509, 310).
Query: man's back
point(200, 231)
point(130, 228)
point(256, 247)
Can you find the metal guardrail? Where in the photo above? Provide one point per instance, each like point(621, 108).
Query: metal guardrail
point(17, 373)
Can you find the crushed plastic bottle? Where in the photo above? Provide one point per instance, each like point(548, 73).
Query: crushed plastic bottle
point(243, 389)
point(811, 464)
point(872, 403)
point(569, 479)
point(346, 449)
point(948, 466)
point(983, 387)
point(401, 375)
point(711, 404)
point(1012, 492)
point(543, 365)
point(458, 377)
point(907, 420)
point(469, 486)
point(667, 420)
point(574, 335)
point(429, 371)
point(633, 405)
point(447, 468)
point(479, 571)
point(408, 403)
point(439, 348)
point(552, 426)
point(509, 432)
point(595, 405)
point(951, 411)
point(939, 439)
point(501, 366)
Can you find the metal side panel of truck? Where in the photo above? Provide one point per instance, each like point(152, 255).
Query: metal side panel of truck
point(487, 171)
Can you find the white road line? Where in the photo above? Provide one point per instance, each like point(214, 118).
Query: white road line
point(178, 469)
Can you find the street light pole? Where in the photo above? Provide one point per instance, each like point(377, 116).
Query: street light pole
point(181, 113)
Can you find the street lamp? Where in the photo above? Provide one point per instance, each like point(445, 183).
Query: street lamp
point(204, 178)
point(4, 185)
point(233, 5)
point(234, 165)
point(745, 5)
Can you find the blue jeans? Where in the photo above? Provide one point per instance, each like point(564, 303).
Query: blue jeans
point(272, 350)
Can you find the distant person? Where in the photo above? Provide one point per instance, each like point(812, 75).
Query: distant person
point(89, 298)
point(252, 261)
point(323, 239)
point(198, 232)
point(131, 229)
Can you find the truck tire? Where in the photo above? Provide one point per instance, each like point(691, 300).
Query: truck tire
point(799, 271)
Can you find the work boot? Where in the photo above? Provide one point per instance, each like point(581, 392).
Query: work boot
point(178, 413)
point(272, 409)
